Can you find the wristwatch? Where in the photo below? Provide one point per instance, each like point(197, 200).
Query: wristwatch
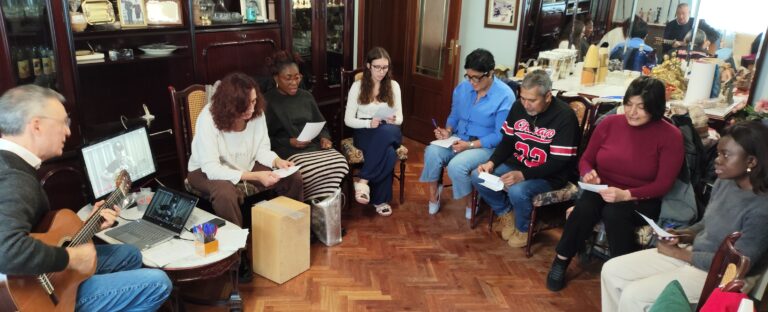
point(471, 144)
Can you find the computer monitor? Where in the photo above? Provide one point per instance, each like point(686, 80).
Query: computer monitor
point(127, 150)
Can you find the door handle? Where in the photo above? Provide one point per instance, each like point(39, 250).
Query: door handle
point(452, 49)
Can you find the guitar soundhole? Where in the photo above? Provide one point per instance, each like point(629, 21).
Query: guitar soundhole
point(65, 242)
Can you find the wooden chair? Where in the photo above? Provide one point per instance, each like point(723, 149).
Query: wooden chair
point(584, 110)
point(727, 271)
point(353, 154)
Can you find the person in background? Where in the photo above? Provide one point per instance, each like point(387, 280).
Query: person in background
point(637, 53)
point(573, 38)
point(478, 109)
point(377, 137)
point(537, 154)
point(675, 30)
point(35, 125)
point(700, 46)
point(616, 35)
point(231, 144)
point(739, 203)
point(289, 109)
point(638, 155)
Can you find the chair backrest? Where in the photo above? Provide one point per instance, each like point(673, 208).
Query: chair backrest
point(584, 109)
point(348, 77)
point(186, 106)
point(728, 269)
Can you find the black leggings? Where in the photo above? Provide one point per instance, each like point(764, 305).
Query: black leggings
point(620, 220)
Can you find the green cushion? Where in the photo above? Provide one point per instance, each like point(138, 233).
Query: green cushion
point(672, 299)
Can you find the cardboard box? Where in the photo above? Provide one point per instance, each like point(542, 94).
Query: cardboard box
point(280, 237)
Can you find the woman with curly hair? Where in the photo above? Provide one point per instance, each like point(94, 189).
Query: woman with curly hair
point(289, 109)
point(231, 144)
point(377, 138)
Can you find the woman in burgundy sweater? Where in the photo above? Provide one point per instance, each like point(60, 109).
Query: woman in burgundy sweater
point(638, 155)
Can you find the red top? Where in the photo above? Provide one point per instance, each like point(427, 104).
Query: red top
point(644, 160)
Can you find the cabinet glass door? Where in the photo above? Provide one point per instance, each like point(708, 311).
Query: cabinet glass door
point(334, 41)
point(30, 43)
point(301, 15)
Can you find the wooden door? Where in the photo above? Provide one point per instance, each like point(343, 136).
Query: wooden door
point(432, 72)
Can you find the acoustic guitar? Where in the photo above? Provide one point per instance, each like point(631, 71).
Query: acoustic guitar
point(660, 41)
point(57, 291)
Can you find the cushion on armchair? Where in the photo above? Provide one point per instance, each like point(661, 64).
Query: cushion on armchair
point(355, 155)
point(557, 196)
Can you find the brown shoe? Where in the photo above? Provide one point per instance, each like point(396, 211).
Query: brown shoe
point(500, 221)
point(518, 239)
point(508, 228)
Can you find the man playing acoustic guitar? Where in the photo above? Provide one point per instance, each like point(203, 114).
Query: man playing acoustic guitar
point(34, 126)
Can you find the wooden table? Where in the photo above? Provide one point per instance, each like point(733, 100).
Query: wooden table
point(214, 271)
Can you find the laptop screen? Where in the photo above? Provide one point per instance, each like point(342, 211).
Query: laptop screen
point(170, 209)
point(128, 150)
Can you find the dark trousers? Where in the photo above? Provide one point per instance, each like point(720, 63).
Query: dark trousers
point(226, 198)
point(620, 220)
point(378, 146)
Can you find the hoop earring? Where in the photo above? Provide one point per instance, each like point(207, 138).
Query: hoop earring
point(277, 85)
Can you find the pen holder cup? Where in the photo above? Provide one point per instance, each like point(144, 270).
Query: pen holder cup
point(205, 249)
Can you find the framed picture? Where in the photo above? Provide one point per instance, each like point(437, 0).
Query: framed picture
point(164, 12)
point(260, 10)
point(501, 13)
point(133, 13)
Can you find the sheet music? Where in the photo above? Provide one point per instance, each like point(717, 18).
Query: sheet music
point(286, 171)
point(659, 231)
point(491, 181)
point(592, 187)
point(384, 112)
point(445, 142)
point(310, 131)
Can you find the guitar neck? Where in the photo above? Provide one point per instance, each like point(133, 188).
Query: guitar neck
point(93, 223)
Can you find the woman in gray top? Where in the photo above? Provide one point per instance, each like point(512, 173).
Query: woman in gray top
point(739, 202)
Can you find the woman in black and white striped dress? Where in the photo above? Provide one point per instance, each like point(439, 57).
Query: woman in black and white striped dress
point(289, 108)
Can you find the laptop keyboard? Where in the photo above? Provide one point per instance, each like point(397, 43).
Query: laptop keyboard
point(147, 234)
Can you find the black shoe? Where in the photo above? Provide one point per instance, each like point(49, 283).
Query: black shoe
point(244, 273)
point(556, 276)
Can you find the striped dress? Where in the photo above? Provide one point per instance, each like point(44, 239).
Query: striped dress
point(322, 170)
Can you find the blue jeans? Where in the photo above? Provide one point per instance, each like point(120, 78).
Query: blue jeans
point(518, 196)
point(378, 146)
point(459, 166)
point(120, 284)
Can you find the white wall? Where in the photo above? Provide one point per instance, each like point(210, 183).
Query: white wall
point(502, 43)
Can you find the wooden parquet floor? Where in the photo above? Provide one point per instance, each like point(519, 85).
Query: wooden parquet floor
point(412, 261)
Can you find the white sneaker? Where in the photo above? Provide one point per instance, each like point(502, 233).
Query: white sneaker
point(468, 213)
point(435, 207)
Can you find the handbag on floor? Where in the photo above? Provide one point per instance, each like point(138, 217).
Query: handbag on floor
point(326, 218)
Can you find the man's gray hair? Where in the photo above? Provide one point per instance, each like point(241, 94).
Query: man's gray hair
point(20, 104)
point(537, 78)
point(682, 5)
point(698, 40)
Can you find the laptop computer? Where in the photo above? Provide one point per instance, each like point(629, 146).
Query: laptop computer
point(164, 218)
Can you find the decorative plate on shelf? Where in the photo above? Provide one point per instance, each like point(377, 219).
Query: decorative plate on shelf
point(158, 49)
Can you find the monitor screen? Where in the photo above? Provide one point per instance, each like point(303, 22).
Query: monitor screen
point(104, 160)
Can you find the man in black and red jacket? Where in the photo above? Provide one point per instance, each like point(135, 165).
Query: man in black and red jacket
point(537, 154)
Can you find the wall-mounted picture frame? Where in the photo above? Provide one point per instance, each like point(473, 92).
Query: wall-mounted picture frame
point(164, 13)
point(133, 13)
point(501, 14)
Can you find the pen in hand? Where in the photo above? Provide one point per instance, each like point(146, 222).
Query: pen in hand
point(434, 123)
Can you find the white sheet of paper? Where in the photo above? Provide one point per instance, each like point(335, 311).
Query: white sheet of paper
point(160, 256)
point(592, 187)
point(491, 181)
point(286, 171)
point(384, 112)
point(232, 239)
point(659, 231)
point(310, 131)
point(445, 142)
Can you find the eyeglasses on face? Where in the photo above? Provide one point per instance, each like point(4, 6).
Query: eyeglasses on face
point(380, 68)
point(67, 121)
point(476, 79)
